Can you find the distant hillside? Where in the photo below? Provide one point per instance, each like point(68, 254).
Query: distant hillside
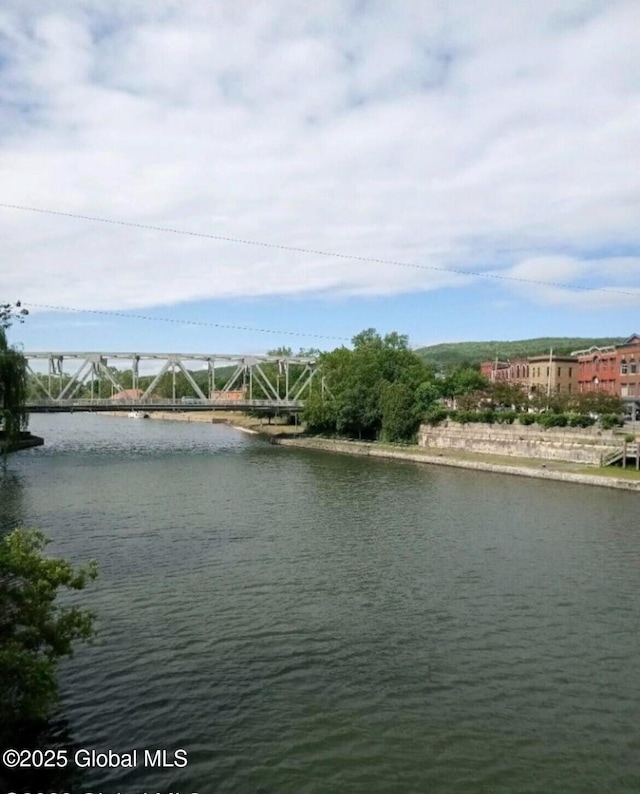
point(453, 354)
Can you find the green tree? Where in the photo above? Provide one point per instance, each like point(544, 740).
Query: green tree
point(509, 395)
point(427, 395)
point(378, 387)
point(320, 414)
point(10, 313)
point(597, 402)
point(35, 631)
point(464, 381)
point(13, 386)
point(400, 418)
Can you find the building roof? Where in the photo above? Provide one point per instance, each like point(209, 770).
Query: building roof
point(593, 350)
point(552, 358)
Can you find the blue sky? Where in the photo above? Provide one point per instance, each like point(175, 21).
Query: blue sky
point(472, 137)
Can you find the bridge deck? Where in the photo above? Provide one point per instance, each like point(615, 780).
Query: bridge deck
point(88, 406)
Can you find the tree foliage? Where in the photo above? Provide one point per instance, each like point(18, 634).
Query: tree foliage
point(378, 389)
point(13, 390)
point(506, 394)
point(35, 631)
point(592, 402)
point(463, 381)
point(456, 354)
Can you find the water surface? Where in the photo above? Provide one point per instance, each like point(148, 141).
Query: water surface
point(306, 622)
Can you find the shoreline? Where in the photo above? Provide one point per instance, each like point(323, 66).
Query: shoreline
point(235, 419)
point(25, 440)
point(543, 471)
point(288, 435)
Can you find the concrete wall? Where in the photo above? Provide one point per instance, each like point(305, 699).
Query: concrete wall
point(577, 445)
point(375, 450)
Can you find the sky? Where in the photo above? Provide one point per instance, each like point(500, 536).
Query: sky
point(451, 171)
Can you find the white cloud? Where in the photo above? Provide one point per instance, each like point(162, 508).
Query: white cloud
point(493, 136)
point(567, 281)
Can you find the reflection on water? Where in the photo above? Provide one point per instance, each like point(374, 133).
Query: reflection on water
point(302, 622)
point(11, 499)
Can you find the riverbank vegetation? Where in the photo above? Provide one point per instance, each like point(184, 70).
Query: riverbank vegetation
point(379, 389)
point(548, 419)
point(506, 403)
point(13, 384)
point(35, 631)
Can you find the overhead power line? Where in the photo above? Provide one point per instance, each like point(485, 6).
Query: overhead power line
point(316, 252)
point(201, 323)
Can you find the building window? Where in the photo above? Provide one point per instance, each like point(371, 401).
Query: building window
point(570, 369)
point(559, 371)
point(548, 371)
point(632, 367)
point(623, 367)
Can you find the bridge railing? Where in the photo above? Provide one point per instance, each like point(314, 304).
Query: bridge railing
point(218, 377)
point(158, 403)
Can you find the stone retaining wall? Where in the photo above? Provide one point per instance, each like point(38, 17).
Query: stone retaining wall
point(374, 451)
point(572, 444)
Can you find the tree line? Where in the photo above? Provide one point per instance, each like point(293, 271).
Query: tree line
point(13, 382)
point(379, 389)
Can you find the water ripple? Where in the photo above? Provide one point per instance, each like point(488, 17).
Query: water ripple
point(301, 622)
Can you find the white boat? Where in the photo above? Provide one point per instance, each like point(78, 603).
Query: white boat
point(137, 415)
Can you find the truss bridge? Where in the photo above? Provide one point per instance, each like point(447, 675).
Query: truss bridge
point(96, 381)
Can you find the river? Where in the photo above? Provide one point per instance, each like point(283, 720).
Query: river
point(304, 622)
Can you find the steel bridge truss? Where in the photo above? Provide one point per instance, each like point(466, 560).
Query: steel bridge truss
point(293, 376)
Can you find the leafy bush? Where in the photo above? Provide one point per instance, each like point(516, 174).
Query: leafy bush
point(400, 420)
point(506, 417)
point(581, 420)
point(488, 416)
point(609, 421)
point(553, 420)
point(436, 415)
point(526, 419)
point(35, 630)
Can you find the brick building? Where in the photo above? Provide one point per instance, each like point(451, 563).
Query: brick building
point(232, 395)
point(629, 372)
point(515, 371)
point(613, 369)
point(598, 369)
